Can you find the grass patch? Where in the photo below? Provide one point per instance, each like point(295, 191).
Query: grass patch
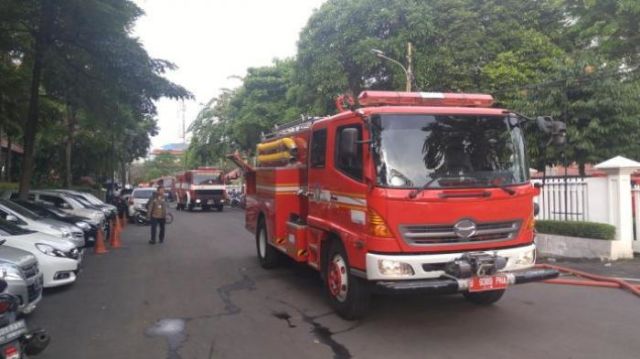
point(577, 229)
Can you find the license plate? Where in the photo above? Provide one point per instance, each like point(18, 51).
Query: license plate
point(12, 331)
point(211, 201)
point(485, 283)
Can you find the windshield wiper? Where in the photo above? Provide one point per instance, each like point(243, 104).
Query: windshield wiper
point(413, 194)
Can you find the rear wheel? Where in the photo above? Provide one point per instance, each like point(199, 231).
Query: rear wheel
point(268, 256)
point(484, 298)
point(348, 295)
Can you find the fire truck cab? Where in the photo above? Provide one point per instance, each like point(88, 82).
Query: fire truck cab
point(412, 192)
point(203, 187)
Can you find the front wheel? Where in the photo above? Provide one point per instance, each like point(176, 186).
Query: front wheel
point(348, 295)
point(168, 219)
point(484, 298)
point(268, 256)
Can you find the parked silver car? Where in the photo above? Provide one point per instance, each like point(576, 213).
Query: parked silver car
point(15, 213)
point(70, 205)
point(20, 270)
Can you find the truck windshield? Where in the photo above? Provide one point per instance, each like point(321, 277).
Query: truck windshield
point(207, 178)
point(443, 151)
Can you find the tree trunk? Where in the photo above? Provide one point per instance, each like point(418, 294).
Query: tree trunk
point(9, 158)
point(70, 120)
point(31, 124)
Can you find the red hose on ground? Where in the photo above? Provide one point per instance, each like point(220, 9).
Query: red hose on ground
point(593, 280)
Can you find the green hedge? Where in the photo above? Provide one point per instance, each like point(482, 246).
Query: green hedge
point(8, 186)
point(577, 229)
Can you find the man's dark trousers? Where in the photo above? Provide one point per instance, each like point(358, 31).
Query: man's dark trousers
point(154, 223)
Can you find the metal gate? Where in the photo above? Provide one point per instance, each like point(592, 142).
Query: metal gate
point(563, 199)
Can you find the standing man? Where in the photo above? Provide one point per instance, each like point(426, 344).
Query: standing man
point(157, 212)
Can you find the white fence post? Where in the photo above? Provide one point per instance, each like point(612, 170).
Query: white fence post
point(636, 213)
point(619, 171)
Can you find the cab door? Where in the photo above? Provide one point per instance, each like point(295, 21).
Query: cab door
point(346, 182)
point(318, 179)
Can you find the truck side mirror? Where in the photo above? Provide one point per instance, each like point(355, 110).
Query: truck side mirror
point(11, 218)
point(349, 142)
point(557, 130)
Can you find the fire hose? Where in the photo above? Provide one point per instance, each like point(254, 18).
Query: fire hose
point(588, 279)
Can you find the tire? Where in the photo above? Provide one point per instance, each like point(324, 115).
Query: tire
point(484, 298)
point(348, 295)
point(190, 207)
point(268, 256)
point(168, 219)
point(220, 208)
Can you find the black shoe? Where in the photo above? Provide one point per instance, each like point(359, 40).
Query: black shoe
point(152, 242)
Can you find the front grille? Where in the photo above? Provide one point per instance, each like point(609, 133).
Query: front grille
point(30, 271)
point(443, 234)
point(209, 192)
point(34, 291)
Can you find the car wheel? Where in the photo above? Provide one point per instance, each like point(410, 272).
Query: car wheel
point(484, 298)
point(220, 208)
point(268, 256)
point(348, 295)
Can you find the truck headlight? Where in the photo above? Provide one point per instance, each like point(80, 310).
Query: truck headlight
point(10, 271)
point(49, 250)
point(197, 201)
point(394, 268)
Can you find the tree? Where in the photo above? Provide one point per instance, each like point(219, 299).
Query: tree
point(81, 55)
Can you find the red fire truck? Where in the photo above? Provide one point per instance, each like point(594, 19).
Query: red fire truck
point(411, 192)
point(203, 187)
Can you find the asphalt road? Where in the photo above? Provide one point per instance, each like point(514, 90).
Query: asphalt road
point(201, 294)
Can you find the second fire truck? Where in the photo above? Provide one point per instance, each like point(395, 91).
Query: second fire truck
point(411, 192)
point(203, 188)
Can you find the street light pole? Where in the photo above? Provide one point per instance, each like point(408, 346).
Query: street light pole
point(408, 71)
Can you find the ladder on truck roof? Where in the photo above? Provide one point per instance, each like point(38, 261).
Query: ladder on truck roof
point(303, 123)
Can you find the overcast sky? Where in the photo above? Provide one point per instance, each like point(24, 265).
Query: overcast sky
point(213, 40)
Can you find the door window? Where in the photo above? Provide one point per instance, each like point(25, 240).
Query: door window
point(349, 163)
point(318, 154)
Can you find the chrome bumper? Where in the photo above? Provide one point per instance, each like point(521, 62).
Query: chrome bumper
point(425, 266)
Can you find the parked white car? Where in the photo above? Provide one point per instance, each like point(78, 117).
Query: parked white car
point(18, 215)
point(139, 198)
point(59, 260)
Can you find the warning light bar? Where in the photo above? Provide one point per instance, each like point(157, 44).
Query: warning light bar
point(381, 98)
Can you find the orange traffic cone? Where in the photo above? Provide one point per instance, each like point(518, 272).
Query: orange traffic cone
point(115, 234)
point(99, 247)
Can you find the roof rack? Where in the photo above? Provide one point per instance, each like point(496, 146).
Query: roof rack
point(303, 123)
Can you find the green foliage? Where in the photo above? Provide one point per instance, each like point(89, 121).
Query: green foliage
point(164, 164)
point(577, 229)
point(234, 120)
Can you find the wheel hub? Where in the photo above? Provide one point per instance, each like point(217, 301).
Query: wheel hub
point(338, 279)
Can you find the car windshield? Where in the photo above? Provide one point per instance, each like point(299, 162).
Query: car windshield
point(207, 178)
point(10, 229)
point(444, 151)
point(20, 210)
point(33, 207)
point(91, 198)
point(143, 193)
